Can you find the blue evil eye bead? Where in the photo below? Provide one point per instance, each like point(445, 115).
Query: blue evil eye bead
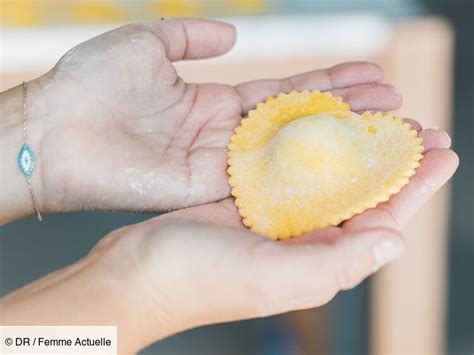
point(26, 160)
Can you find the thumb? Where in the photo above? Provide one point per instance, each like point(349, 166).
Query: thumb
point(192, 38)
point(313, 268)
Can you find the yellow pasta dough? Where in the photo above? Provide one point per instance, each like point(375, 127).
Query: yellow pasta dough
point(304, 161)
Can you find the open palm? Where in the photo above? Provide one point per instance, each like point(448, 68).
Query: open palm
point(139, 138)
point(226, 272)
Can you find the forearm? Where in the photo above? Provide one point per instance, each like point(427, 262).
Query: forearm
point(15, 199)
point(86, 293)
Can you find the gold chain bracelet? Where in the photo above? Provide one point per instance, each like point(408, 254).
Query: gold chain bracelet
point(26, 158)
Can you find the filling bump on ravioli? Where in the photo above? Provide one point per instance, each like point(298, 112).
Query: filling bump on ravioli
point(303, 161)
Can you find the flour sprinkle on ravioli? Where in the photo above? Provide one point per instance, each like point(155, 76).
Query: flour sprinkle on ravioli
point(303, 161)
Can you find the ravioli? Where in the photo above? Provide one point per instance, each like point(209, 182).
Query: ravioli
point(303, 161)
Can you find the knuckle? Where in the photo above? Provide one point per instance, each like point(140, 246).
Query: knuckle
point(326, 296)
point(144, 36)
point(132, 27)
point(348, 275)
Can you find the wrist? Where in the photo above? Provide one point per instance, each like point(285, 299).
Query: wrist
point(15, 199)
point(144, 259)
point(103, 288)
point(149, 284)
point(45, 110)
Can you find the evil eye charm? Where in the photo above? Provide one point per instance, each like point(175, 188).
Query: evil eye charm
point(26, 160)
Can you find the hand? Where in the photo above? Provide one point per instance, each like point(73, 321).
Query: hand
point(242, 275)
point(122, 131)
point(200, 265)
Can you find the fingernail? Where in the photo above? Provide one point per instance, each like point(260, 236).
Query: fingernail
point(385, 252)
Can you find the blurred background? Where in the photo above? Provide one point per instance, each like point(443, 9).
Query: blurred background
point(422, 304)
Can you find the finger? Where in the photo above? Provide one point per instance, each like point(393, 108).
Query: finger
point(339, 76)
point(435, 170)
point(195, 38)
point(433, 139)
point(301, 276)
point(378, 97)
point(415, 125)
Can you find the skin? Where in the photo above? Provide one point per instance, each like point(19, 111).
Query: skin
point(139, 137)
point(160, 277)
